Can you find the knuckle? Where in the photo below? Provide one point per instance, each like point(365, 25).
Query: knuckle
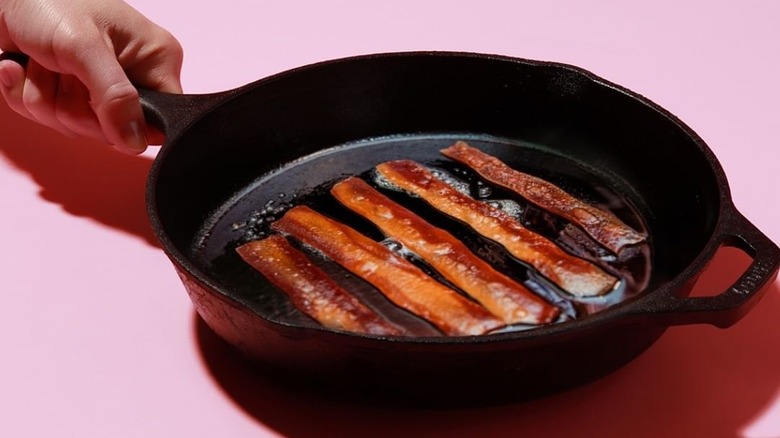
point(122, 92)
point(118, 94)
point(167, 47)
point(170, 41)
point(68, 42)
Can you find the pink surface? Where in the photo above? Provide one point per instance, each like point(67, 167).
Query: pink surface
point(99, 339)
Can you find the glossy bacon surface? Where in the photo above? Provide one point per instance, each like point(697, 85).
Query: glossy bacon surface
point(397, 278)
point(604, 227)
point(574, 275)
point(504, 297)
point(310, 289)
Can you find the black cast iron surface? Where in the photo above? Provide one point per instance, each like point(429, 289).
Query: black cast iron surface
point(229, 153)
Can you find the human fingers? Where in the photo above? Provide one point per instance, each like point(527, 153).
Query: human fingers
point(73, 110)
point(32, 91)
point(12, 77)
point(109, 48)
point(156, 66)
point(39, 96)
point(113, 98)
point(70, 107)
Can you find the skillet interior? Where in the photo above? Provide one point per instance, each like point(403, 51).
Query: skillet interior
point(530, 115)
point(307, 182)
point(548, 116)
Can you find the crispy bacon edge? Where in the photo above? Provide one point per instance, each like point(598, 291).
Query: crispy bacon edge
point(311, 290)
point(576, 276)
point(601, 225)
point(398, 279)
point(501, 295)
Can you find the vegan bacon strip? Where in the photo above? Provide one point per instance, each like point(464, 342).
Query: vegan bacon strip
point(310, 289)
point(397, 278)
point(574, 275)
point(604, 227)
point(501, 295)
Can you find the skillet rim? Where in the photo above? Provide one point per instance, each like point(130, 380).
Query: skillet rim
point(640, 308)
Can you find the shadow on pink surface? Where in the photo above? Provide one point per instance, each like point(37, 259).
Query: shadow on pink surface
point(86, 178)
point(697, 381)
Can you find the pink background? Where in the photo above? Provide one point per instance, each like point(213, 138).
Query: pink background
point(99, 339)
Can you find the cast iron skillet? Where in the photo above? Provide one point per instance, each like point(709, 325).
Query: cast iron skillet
point(267, 144)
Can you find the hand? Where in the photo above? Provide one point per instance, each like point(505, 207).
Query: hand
point(86, 57)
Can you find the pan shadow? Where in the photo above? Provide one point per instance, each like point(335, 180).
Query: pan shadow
point(86, 179)
point(673, 389)
point(695, 381)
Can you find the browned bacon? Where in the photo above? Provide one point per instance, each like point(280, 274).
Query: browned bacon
point(397, 278)
point(504, 297)
point(574, 275)
point(310, 289)
point(604, 227)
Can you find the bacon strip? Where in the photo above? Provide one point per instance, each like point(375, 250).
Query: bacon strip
point(311, 290)
point(501, 295)
point(402, 282)
point(604, 227)
point(574, 275)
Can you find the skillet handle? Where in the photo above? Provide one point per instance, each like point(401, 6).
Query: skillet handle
point(730, 306)
point(19, 58)
point(170, 113)
point(173, 113)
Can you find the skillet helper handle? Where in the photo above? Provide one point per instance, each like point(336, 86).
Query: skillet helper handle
point(730, 306)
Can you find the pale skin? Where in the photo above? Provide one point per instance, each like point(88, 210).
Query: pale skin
point(86, 58)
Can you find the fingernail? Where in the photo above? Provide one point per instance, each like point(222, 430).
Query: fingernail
point(134, 139)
